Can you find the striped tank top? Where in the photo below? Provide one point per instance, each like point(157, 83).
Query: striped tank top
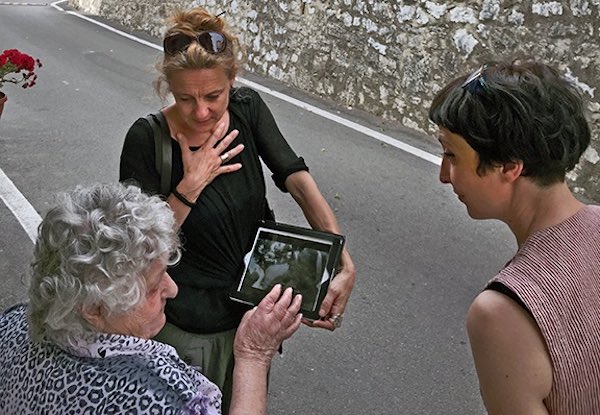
point(556, 273)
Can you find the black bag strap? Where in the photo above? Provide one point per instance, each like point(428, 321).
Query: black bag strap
point(162, 150)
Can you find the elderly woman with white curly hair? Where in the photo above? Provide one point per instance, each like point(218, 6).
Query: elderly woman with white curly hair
point(97, 294)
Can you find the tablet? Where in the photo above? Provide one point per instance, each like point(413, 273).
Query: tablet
point(301, 258)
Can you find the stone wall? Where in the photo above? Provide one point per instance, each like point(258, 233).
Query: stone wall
point(390, 57)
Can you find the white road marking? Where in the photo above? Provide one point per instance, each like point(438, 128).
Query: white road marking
point(19, 206)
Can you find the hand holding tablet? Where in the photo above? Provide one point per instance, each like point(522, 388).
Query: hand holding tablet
point(304, 259)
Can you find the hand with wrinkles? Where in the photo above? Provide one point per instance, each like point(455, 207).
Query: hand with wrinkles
point(200, 167)
point(265, 327)
point(258, 337)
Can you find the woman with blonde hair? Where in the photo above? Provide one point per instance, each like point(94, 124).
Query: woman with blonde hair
point(219, 135)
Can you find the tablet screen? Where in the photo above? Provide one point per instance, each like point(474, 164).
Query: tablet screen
point(300, 258)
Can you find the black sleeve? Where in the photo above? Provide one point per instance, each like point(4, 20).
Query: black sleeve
point(501, 288)
point(137, 165)
point(272, 146)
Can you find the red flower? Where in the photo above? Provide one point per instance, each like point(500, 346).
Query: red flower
point(14, 62)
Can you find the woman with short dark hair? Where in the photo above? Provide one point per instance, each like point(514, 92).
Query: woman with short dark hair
point(510, 132)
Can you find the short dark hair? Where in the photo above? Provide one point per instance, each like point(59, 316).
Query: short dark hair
point(519, 110)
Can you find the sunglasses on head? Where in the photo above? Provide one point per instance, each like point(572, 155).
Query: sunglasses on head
point(212, 42)
point(476, 81)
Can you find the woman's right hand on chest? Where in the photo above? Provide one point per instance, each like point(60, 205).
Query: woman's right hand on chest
point(200, 167)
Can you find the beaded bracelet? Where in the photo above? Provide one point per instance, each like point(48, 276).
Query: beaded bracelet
point(183, 199)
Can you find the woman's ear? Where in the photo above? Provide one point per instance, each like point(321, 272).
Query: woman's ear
point(512, 170)
point(93, 315)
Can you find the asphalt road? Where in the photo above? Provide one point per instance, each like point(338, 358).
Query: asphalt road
point(402, 349)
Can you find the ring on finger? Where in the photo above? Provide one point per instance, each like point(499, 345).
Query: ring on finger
point(336, 320)
point(224, 157)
